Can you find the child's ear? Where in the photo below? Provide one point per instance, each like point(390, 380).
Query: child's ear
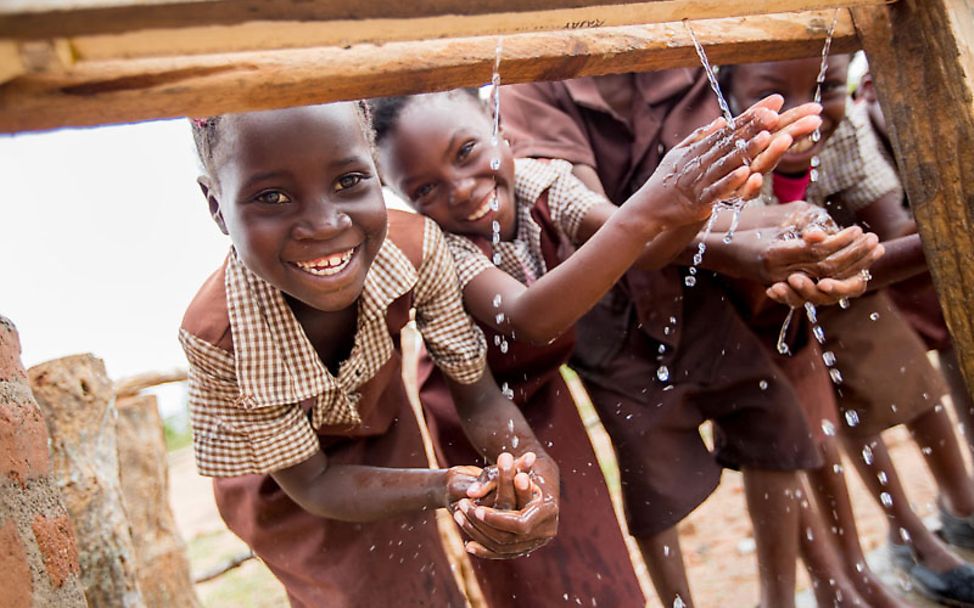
point(210, 194)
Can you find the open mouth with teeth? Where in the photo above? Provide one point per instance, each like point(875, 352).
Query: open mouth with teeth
point(328, 265)
point(483, 209)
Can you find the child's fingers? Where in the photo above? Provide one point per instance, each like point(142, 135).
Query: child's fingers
point(803, 127)
point(725, 187)
point(524, 489)
point(765, 159)
point(525, 462)
point(471, 517)
point(853, 287)
point(851, 260)
point(798, 112)
point(506, 498)
point(715, 126)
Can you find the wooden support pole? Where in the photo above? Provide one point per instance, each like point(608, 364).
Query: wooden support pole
point(921, 58)
point(38, 553)
point(122, 91)
point(77, 399)
point(68, 18)
point(161, 563)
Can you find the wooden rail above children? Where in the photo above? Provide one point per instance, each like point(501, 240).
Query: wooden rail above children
point(94, 61)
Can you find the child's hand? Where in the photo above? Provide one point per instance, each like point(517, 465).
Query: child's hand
point(715, 163)
point(821, 268)
point(458, 483)
point(524, 515)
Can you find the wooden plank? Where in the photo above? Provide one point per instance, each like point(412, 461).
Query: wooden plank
point(65, 18)
point(922, 62)
point(92, 93)
point(11, 64)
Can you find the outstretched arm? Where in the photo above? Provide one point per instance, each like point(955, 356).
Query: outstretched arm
point(704, 168)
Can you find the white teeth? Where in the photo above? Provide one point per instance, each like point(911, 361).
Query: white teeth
point(480, 212)
point(327, 265)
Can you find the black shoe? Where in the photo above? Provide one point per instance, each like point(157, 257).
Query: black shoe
point(957, 531)
point(954, 587)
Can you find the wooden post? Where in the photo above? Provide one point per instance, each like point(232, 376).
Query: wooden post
point(78, 402)
point(161, 563)
point(38, 554)
point(921, 59)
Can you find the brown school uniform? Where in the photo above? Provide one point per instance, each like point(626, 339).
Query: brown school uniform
point(588, 562)
point(887, 378)
point(262, 400)
point(658, 359)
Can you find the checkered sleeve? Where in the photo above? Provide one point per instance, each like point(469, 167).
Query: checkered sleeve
point(468, 259)
point(879, 178)
point(455, 343)
point(231, 436)
point(569, 200)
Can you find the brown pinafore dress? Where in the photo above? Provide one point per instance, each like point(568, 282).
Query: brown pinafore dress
point(399, 561)
point(588, 562)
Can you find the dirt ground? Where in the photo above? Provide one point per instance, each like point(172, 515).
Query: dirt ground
point(717, 542)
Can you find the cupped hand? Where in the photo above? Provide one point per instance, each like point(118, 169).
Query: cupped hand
point(513, 508)
point(820, 255)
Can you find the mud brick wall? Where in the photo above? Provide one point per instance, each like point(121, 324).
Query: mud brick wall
point(38, 553)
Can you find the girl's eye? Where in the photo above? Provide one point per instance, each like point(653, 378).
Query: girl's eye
point(422, 192)
point(273, 197)
point(349, 180)
point(465, 150)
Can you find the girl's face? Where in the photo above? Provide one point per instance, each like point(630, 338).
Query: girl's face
point(439, 158)
point(795, 80)
point(297, 192)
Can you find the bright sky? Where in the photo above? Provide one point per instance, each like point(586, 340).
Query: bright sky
point(105, 238)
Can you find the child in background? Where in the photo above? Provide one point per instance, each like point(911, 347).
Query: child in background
point(436, 151)
point(296, 395)
point(916, 299)
point(887, 377)
point(657, 359)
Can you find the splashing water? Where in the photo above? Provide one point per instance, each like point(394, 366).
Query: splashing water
point(690, 280)
point(867, 455)
point(679, 603)
point(495, 163)
point(782, 346)
point(886, 499)
point(724, 108)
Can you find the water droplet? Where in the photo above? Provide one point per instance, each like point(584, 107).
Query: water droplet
point(835, 375)
point(811, 313)
point(829, 358)
point(495, 163)
point(690, 280)
point(852, 418)
point(927, 450)
point(499, 318)
point(886, 499)
point(867, 454)
point(905, 535)
point(514, 442)
point(819, 334)
point(496, 258)
point(837, 468)
point(497, 340)
point(672, 320)
point(497, 300)
point(504, 346)
point(844, 303)
point(815, 161)
point(883, 479)
point(763, 385)
point(509, 393)
point(666, 550)
point(663, 373)
point(809, 535)
point(860, 567)
point(679, 603)
point(661, 349)
point(874, 316)
point(828, 428)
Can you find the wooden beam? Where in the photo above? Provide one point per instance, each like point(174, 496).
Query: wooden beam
point(11, 64)
point(91, 93)
point(62, 18)
point(922, 62)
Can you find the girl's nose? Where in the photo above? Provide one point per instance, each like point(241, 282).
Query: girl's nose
point(321, 221)
point(462, 190)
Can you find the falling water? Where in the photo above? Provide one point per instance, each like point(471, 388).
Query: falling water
point(495, 163)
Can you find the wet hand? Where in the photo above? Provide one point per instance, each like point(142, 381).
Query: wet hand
point(458, 483)
point(514, 510)
point(715, 163)
point(818, 255)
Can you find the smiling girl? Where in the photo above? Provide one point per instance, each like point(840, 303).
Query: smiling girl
point(296, 394)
